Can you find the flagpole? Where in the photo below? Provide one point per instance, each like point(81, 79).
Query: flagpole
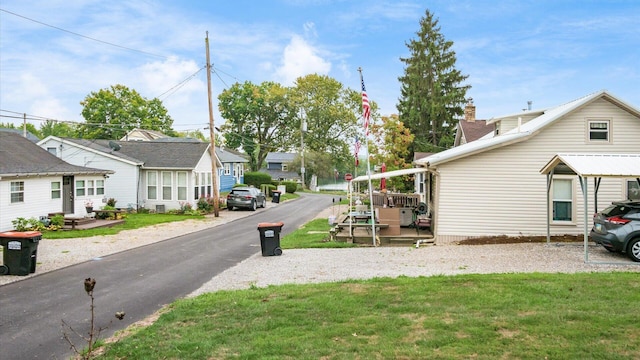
point(366, 111)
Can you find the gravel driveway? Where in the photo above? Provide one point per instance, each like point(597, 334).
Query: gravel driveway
point(323, 265)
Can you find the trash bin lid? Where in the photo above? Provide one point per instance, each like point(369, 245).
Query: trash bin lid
point(265, 224)
point(20, 234)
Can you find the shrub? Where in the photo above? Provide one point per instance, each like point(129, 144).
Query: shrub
point(256, 178)
point(205, 204)
point(112, 202)
point(267, 189)
point(292, 186)
point(57, 220)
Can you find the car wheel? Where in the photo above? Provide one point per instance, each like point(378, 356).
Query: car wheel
point(253, 205)
point(264, 203)
point(634, 249)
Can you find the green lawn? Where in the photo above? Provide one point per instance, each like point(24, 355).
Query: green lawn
point(509, 316)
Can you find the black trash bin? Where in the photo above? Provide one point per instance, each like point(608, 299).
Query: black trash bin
point(270, 238)
point(275, 196)
point(20, 252)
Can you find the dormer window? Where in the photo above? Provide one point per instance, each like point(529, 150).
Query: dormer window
point(285, 167)
point(599, 130)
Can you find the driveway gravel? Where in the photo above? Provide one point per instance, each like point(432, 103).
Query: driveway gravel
point(325, 265)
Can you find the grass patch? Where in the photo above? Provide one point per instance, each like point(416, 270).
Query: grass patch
point(133, 221)
point(314, 234)
point(508, 316)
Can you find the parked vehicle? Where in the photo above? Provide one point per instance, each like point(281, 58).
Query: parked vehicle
point(246, 197)
point(617, 228)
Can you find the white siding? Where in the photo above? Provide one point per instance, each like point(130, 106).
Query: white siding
point(37, 200)
point(122, 185)
point(501, 192)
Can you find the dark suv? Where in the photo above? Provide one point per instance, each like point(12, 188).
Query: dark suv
point(617, 228)
point(246, 197)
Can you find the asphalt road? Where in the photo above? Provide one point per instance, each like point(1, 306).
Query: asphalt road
point(139, 282)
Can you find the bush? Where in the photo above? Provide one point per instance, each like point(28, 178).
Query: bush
point(112, 202)
point(267, 189)
point(292, 186)
point(205, 204)
point(256, 178)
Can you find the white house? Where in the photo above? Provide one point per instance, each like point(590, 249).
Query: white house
point(34, 183)
point(493, 186)
point(156, 175)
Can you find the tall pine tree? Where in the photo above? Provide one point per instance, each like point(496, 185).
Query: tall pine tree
point(432, 95)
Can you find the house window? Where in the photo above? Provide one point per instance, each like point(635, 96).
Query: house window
point(166, 185)
point(152, 185)
point(90, 187)
point(56, 190)
point(285, 167)
point(599, 130)
point(196, 192)
point(227, 169)
point(53, 150)
point(209, 192)
point(17, 192)
point(99, 187)
point(181, 179)
point(562, 200)
point(633, 190)
point(80, 188)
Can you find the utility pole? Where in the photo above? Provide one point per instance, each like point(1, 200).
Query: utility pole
point(303, 128)
point(214, 163)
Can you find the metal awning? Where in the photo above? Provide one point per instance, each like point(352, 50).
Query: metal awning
point(584, 166)
point(388, 174)
point(594, 165)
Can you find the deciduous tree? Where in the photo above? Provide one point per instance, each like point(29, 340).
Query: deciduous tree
point(112, 113)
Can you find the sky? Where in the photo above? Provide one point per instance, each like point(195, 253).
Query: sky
point(55, 53)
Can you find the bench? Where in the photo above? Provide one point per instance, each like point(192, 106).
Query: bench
point(108, 212)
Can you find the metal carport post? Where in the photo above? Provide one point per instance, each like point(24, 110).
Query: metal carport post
point(589, 165)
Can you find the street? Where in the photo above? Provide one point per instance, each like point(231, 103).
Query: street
point(138, 281)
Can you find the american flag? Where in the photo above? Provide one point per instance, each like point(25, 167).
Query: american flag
point(357, 148)
point(366, 109)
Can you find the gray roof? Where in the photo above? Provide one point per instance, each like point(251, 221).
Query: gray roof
point(226, 156)
point(152, 154)
point(280, 157)
point(20, 157)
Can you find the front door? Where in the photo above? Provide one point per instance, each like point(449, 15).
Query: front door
point(67, 195)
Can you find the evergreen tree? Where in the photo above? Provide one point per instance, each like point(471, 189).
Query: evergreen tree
point(432, 95)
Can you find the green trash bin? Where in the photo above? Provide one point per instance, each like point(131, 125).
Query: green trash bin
point(270, 238)
point(20, 252)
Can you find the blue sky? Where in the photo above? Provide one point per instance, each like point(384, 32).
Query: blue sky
point(547, 52)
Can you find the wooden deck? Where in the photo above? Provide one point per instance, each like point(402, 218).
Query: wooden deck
point(362, 234)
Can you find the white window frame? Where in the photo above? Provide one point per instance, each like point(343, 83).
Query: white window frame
point(285, 167)
point(592, 131)
point(81, 189)
point(181, 185)
point(53, 150)
point(56, 190)
point(166, 178)
point(152, 185)
point(99, 187)
point(91, 187)
point(227, 169)
point(632, 190)
point(571, 200)
point(17, 192)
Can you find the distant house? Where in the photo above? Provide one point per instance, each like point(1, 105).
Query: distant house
point(279, 166)
point(233, 166)
point(470, 129)
point(157, 175)
point(494, 186)
point(143, 135)
point(34, 182)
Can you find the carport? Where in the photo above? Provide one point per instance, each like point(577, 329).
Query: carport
point(586, 166)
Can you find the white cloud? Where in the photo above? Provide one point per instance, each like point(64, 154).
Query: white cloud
point(299, 59)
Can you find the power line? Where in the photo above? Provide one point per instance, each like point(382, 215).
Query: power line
point(181, 84)
point(84, 36)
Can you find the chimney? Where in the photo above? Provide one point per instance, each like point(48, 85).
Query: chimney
point(470, 111)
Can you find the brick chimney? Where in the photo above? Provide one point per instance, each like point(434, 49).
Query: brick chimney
point(470, 111)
